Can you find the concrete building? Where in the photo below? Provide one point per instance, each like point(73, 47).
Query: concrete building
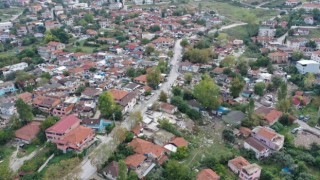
point(5, 26)
point(308, 66)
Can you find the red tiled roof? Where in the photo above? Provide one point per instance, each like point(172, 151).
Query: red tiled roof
point(142, 78)
point(118, 94)
point(77, 135)
point(135, 160)
point(239, 162)
point(29, 131)
point(267, 133)
point(273, 115)
point(64, 124)
point(179, 142)
point(256, 144)
point(207, 174)
point(145, 147)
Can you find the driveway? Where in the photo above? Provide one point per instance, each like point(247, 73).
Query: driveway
point(305, 126)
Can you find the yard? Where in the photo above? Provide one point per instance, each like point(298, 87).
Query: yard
point(309, 110)
point(26, 150)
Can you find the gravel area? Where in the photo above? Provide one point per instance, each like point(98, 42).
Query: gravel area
point(304, 138)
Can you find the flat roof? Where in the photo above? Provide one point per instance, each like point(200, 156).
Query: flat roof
point(307, 62)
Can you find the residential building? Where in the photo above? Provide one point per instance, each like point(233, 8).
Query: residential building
point(308, 66)
point(309, 6)
point(13, 68)
point(5, 26)
point(207, 174)
point(250, 172)
point(26, 97)
point(315, 56)
point(45, 104)
point(7, 87)
point(268, 137)
point(260, 149)
point(237, 164)
point(28, 132)
point(267, 32)
point(168, 108)
point(279, 57)
point(8, 109)
point(147, 148)
point(69, 135)
point(142, 79)
point(292, 2)
point(111, 171)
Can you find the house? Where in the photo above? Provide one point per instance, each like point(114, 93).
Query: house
point(207, 174)
point(111, 171)
point(131, 87)
point(244, 131)
point(13, 68)
point(273, 116)
point(7, 87)
point(147, 148)
point(267, 32)
point(118, 95)
point(260, 149)
point(166, 42)
point(250, 172)
point(309, 6)
point(308, 66)
point(237, 164)
point(279, 57)
point(45, 104)
point(28, 132)
point(7, 109)
point(175, 143)
point(62, 109)
point(309, 20)
point(26, 97)
point(268, 137)
point(188, 67)
point(292, 2)
point(5, 26)
point(168, 108)
point(315, 56)
point(129, 101)
point(137, 130)
point(69, 135)
point(142, 79)
point(134, 161)
point(98, 125)
point(299, 99)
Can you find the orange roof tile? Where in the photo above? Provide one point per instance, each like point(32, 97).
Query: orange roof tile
point(179, 142)
point(118, 94)
point(135, 160)
point(239, 162)
point(265, 132)
point(272, 116)
point(142, 78)
point(29, 131)
point(145, 147)
point(77, 135)
point(207, 174)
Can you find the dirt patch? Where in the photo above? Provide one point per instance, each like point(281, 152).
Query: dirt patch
point(305, 139)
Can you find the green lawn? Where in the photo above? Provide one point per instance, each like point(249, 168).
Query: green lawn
point(237, 13)
point(239, 32)
point(28, 149)
point(6, 14)
point(310, 110)
point(5, 154)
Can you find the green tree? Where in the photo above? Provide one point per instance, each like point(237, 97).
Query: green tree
point(170, 54)
point(197, 55)
point(5, 136)
point(207, 93)
point(163, 66)
point(154, 28)
point(182, 152)
point(163, 96)
point(184, 43)
point(236, 87)
point(132, 176)
point(177, 171)
point(308, 80)
point(284, 105)
point(228, 135)
point(135, 118)
point(122, 170)
point(149, 50)
point(66, 73)
point(46, 75)
point(24, 110)
point(228, 61)
point(259, 88)
point(106, 104)
point(188, 78)
point(282, 91)
point(296, 55)
point(154, 77)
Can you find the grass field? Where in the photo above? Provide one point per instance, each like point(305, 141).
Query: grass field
point(237, 13)
point(5, 154)
point(6, 14)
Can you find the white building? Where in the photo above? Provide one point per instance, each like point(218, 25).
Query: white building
point(142, 2)
point(14, 68)
point(5, 26)
point(267, 32)
point(315, 56)
point(308, 66)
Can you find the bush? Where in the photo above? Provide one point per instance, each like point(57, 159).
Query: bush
point(228, 135)
point(110, 127)
point(166, 125)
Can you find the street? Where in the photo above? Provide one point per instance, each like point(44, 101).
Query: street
point(87, 168)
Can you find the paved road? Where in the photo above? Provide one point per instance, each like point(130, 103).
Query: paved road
point(305, 126)
point(87, 168)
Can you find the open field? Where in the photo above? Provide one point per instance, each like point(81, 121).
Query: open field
point(5, 155)
point(7, 14)
point(236, 13)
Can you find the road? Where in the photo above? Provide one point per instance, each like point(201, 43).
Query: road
point(16, 163)
point(305, 126)
point(87, 168)
point(228, 27)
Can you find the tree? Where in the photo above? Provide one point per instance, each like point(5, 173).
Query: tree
point(282, 91)
point(228, 61)
point(149, 50)
point(24, 110)
point(308, 80)
point(132, 176)
point(154, 28)
point(228, 135)
point(106, 104)
point(188, 78)
point(250, 109)
point(66, 73)
point(259, 88)
point(276, 81)
point(46, 75)
point(181, 153)
point(207, 93)
point(170, 54)
point(122, 170)
point(236, 87)
point(163, 96)
point(284, 105)
point(196, 55)
point(311, 44)
point(184, 43)
point(135, 118)
point(5, 136)
point(154, 77)
point(285, 120)
point(175, 170)
point(296, 55)
point(162, 66)
point(243, 68)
